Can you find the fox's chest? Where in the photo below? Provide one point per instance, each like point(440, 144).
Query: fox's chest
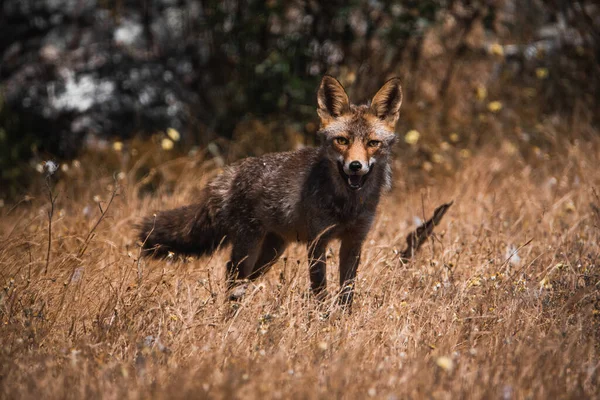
point(342, 215)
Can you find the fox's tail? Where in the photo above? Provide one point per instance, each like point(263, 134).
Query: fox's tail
point(188, 230)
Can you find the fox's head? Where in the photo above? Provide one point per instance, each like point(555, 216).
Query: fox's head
point(357, 136)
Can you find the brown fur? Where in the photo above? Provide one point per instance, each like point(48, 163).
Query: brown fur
point(261, 204)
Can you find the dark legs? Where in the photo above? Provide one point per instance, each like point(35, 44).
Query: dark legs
point(272, 247)
point(255, 254)
point(245, 252)
point(349, 260)
point(252, 255)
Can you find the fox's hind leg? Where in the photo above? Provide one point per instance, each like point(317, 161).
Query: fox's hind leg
point(245, 252)
point(272, 247)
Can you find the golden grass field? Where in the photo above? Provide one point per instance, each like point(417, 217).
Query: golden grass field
point(503, 303)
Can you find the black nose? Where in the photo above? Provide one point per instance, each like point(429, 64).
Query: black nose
point(355, 166)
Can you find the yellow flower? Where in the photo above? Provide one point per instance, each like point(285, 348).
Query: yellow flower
point(545, 283)
point(481, 92)
point(494, 106)
point(445, 363)
point(454, 138)
point(166, 144)
point(173, 134)
point(541, 73)
point(475, 281)
point(497, 49)
point(118, 146)
point(412, 137)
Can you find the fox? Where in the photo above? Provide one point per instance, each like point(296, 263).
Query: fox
point(312, 195)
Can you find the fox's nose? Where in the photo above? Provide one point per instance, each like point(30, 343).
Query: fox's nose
point(355, 166)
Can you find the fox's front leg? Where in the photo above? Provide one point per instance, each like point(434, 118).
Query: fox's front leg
point(317, 267)
point(349, 260)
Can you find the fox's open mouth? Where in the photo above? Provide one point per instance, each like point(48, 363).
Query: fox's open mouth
point(355, 182)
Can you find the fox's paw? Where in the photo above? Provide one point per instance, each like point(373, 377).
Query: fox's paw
point(238, 292)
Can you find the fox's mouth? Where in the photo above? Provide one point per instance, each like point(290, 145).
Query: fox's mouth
point(355, 182)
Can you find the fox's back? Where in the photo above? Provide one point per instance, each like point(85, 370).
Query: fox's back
point(267, 191)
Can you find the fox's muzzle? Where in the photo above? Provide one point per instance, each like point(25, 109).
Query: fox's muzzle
point(356, 167)
point(354, 173)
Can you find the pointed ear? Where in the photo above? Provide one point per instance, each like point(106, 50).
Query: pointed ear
point(386, 103)
point(332, 99)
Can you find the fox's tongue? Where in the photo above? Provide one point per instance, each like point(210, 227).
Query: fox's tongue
point(354, 181)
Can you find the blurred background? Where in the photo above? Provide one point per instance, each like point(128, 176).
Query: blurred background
point(114, 81)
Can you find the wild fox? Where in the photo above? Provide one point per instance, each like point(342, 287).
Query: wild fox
point(312, 195)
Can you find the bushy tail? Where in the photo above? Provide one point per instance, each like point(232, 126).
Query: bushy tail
point(188, 230)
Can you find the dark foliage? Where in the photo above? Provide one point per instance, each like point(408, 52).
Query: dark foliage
point(75, 69)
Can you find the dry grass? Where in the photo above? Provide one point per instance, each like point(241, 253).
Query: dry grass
point(463, 319)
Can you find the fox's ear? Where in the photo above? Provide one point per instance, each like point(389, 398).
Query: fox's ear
point(332, 99)
point(386, 103)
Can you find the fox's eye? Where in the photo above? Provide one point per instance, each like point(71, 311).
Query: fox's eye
point(341, 140)
point(374, 143)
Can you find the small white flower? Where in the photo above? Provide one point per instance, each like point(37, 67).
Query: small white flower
point(87, 211)
point(512, 254)
point(50, 167)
